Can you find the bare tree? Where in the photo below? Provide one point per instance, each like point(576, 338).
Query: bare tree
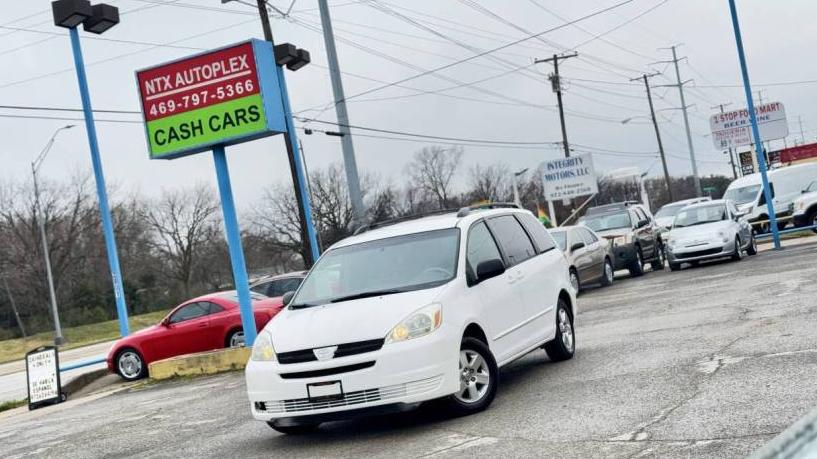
point(489, 183)
point(432, 171)
point(183, 221)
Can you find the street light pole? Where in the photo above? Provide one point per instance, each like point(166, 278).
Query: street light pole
point(35, 167)
point(97, 19)
point(516, 175)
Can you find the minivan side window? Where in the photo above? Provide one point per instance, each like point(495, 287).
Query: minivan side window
point(762, 200)
point(481, 247)
point(541, 238)
point(512, 237)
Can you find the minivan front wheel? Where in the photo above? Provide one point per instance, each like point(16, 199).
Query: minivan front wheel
point(478, 377)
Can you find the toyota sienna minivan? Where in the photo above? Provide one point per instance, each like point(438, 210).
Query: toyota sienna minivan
point(418, 310)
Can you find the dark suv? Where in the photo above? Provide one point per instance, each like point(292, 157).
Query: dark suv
point(632, 230)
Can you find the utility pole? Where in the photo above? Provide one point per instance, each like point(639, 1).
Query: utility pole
point(348, 147)
point(311, 251)
point(695, 177)
point(729, 151)
point(556, 83)
point(646, 77)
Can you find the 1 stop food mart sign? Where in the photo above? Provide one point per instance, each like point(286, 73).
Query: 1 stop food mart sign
point(221, 97)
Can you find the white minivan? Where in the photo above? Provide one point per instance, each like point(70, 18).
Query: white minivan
point(417, 310)
point(787, 183)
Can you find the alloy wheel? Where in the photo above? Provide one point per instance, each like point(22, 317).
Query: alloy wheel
point(608, 271)
point(130, 364)
point(574, 281)
point(566, 330)
point(237, 339)
point(475, 378)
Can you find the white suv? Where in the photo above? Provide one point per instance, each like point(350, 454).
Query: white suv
point(413, 311)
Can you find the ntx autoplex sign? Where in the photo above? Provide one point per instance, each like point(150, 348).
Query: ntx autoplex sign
point(221, 97)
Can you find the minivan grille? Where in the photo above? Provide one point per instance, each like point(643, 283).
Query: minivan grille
point(344, 350)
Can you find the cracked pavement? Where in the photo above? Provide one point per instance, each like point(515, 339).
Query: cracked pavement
point(711, 361)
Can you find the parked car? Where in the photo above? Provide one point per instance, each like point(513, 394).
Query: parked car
point(666, 214)
point(786, 183)
point(590, 257)
point(633, 232)
point(709, 230)
point(804, 208)
point(276, 286)
point(202, 324)
point(417, 310)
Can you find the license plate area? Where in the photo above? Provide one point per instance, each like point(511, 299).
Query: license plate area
point(322, 391)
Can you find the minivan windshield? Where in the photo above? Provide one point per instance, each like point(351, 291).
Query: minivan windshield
point(700, 215)
point(607, 221)
point(742, 195)
point(812, 187)
point(381, 267)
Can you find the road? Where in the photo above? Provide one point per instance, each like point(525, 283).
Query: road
point(13, 376)
point(707, 362)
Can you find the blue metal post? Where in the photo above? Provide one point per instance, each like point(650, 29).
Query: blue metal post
point(104, 210)
point(761, 157)
point(242, 285)
point(292, 137)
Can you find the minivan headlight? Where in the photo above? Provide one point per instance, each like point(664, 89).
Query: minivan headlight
point(419, 323)
point(262, 350)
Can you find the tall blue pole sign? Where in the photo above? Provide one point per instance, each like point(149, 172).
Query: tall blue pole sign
point(207, 102)
point(104, 209)
point(761, 157)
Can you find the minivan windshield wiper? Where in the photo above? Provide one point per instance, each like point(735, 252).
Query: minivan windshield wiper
point(369, 294)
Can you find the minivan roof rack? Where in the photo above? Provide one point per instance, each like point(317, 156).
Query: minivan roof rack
point(461, 212)
point(464, 211)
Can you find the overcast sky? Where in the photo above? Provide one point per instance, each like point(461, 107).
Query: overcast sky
point(388, 40)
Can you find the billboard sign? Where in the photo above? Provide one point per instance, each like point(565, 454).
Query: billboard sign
point(43, 374)
point(221, 97)
point(570, 177)
point(734, 129)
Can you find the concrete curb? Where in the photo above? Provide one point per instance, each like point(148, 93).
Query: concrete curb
point(76, 384)
point(203, 363)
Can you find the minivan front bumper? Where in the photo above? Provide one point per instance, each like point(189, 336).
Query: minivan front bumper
point(400, 375)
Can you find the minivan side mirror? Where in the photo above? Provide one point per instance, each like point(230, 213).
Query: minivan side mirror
point(489, 268)
point(643, 223)
point(287, 298)
point(576, 246)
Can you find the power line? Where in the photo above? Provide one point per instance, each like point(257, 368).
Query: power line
point(487, 52)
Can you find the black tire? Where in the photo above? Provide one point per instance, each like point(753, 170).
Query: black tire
point(674, 266)
point(459, 403)
point(563, 346)
point(232, 335)
point(607, 270)
point(738, 255)
point(763, 228)
point(752, 249)
point(575, 282)
point(301, 429)
point(811, 220)
point(637, 267)
point(658, 262)
point(125, 370)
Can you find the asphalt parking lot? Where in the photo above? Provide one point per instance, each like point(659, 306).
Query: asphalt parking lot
point(712, 361)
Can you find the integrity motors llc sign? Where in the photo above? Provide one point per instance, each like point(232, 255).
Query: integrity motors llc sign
point(570, 177)
point(220, 97)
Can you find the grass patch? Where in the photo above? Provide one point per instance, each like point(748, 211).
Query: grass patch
point(82, 335)
point(5, 406)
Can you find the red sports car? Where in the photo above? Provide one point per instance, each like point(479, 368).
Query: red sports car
point(202, 324)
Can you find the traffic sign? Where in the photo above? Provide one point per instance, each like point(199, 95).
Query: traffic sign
point(220, 97)
point(734, 129)
point(570, 177)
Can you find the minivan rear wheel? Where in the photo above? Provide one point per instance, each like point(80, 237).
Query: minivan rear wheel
point(478, 377)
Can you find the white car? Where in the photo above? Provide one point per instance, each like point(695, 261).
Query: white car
point(413, 311)
point(709, 230)
point(804, 208)
point(666, 214)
